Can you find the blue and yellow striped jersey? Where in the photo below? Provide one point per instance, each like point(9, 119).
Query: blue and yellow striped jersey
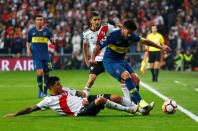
point(117, 46)
point(39, 43)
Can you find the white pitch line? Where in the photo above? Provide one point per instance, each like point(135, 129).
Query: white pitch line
point(188, 113)
point(178, 82)
point(8, 86)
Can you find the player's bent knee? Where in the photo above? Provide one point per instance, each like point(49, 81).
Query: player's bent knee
point(125, 75)
point(40, 72)
point(100, 101)
point(46, 73)
point(116, 98)
point(135, 79)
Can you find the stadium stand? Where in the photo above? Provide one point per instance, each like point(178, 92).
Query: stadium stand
point(177, 20)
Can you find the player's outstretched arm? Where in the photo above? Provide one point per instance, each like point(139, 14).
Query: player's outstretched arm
point(103, 43)
point(85, 52)
point(151, 43)
point(80, 94)
point(85, 102)
point(24, 111)
point(28, 49)
point(94, 53)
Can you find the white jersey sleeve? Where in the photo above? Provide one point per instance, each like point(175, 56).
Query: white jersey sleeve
point(70, 91)
point(44, 104)
point(111, 28)
point(85, 37)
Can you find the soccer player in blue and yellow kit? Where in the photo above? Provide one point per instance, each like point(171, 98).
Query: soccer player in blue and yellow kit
point(37, 47)
point(114, 61)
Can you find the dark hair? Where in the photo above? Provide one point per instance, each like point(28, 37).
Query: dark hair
point(130, 24)
point(93, 13)
point(37, 16)
point(51, 81)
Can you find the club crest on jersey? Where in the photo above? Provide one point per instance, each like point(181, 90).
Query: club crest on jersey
point(103, 33)
point(118, 42)
point(117, 71)
point(45, 33)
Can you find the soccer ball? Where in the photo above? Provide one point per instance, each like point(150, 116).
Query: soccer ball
point(169, 106)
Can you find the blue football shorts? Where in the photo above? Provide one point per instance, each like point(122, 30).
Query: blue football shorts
point(46, 65)
point(116, 69)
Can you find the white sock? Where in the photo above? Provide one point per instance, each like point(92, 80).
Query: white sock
point(86, 90)
point(125, 91)
point(127, 102)
point(141, 110)
point(115, 106)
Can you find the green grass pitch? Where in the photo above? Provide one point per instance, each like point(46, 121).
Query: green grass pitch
point(19, 90)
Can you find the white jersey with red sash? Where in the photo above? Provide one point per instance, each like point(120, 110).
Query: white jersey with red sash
point(65, 104)
point(93, 37)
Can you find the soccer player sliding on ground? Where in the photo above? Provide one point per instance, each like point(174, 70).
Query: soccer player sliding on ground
point(114, 61)
point(69, 102)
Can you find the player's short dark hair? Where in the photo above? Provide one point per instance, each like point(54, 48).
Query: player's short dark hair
point(51, 81)
point(92, 14)
point(36, 16)
point(130, 24)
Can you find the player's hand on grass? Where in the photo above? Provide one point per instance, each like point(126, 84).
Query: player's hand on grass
point(85, 102)
point(10, 115)
point(166, 48)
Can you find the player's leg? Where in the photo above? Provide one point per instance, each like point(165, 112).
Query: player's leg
point(90, 82)
point(151, 61)
point(95, 70)
point(100, 102)
point(134, 78)
point(125, 102)
point(124, 89)
point(40, 81)
point(39, 71)
point(136, 81)
point(157, 65)
point(114, 105)
point(46, 77)
point(143, 104)
point(156, 70)
point(135, 96)
point(119, 72)
point(115, 98)
point(47, 67)
point(121, 100)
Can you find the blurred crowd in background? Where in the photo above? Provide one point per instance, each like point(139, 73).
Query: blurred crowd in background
point(177, 21)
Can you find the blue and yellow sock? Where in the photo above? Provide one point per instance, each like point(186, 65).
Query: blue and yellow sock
point(40, 83)
point(46, 77)
point(135, 96)
point(138, 88)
